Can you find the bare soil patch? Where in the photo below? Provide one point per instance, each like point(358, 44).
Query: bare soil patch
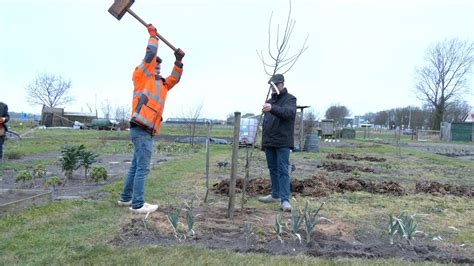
point(438, 189)
point(330, 239)
point(352, 157)
point(333, 166)
point(316, 186)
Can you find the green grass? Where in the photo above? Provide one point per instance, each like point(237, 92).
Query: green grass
point(79, 232)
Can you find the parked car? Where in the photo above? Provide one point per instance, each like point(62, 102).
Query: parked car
point(409, 131)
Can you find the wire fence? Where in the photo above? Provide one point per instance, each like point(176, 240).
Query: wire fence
point(398, 135)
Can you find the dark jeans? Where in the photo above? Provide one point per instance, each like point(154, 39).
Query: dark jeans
point(278, 161)
point(134, 185)
point(2, 139)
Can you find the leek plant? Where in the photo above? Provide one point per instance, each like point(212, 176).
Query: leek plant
point(405, 226)
point(278, 228)
point(173, 218)
point(310, 220)
point(190, 222)
point(247, 232)
point(296, 221)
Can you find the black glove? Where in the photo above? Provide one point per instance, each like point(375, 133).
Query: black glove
point(179, 54)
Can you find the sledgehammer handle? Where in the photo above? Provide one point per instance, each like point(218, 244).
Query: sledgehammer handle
point(157, 34)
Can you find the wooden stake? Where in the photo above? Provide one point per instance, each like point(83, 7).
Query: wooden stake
point(235, 154)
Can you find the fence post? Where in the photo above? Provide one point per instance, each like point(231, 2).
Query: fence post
point(235, 154)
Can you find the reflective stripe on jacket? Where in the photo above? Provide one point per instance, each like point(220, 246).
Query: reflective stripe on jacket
point(149, 93)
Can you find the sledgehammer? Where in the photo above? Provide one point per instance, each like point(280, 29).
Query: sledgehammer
point(120, 7)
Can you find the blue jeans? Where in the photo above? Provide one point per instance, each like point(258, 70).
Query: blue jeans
point(134, 186)
point(2, 139)
point(278, 161)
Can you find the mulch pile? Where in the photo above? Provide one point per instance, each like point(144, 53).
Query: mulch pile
point(438, 189)
point(332, 167)
point(352, 157)
point(317, 186)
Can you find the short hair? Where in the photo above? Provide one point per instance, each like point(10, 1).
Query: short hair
point(158, 60)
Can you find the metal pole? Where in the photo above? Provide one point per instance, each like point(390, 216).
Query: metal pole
point(244, 185)
point(207, 158)
point(235, 154)
point(301, 130)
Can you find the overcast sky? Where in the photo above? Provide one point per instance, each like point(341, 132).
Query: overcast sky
point(362, 54)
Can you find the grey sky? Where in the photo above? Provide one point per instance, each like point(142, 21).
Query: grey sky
point(362, 54)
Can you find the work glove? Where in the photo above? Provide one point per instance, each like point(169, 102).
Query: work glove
point(151, 29)
point(179, 54)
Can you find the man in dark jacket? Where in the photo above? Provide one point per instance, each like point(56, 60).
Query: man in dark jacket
point(277, 140)
point(4, 117)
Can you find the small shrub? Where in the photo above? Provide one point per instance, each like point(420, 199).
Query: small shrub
point(39, 171)
point(70, 159)
point(53, 181)
point(356, 173)
point(98, 172)
point(23, 176)
point(86, 159)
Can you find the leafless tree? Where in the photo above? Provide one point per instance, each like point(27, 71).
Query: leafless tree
point(49, 90)
point(337, 112)
point(230, 119)
point(192, 115)
point(456, 111)
point(444, 78)
point(122, 115)
point(106, 107)
point(280, 61)
point(309, 121)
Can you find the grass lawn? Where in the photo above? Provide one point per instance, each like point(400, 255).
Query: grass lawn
point(80, 231)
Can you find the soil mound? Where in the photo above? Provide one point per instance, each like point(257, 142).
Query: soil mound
point(332, 167)
point(316, 186)
point(438, 189)
point(352, 157)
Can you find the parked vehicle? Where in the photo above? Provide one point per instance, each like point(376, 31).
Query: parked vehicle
point(409, 131)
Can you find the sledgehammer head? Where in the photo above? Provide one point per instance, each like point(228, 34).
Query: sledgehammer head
point(120, 7)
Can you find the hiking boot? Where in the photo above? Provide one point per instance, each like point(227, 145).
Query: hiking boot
point(268, 198)
point(124, 203)
point(285, 206)
point(146, 208)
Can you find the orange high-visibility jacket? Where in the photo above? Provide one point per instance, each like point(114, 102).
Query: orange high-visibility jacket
point(149, 93)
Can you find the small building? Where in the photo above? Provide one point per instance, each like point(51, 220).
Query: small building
point(56, 117)
point(462, 131)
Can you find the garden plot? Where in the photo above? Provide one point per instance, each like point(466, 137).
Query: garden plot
point(462, 151)
point(116, 166)
point(253, 229)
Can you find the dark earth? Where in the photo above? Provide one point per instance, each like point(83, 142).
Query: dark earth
point(330, 238)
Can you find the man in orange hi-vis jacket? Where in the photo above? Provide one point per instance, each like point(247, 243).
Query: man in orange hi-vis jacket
point(149, 96)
